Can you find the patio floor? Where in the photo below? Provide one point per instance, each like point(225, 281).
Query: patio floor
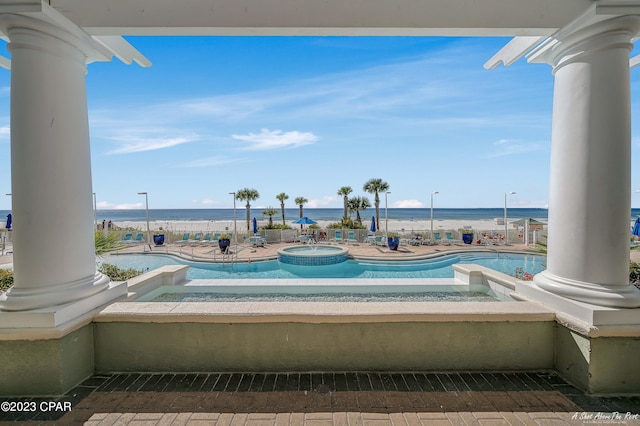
point(536, 398)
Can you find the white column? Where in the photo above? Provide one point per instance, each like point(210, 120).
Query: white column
point(589, 199)
point(54, 254)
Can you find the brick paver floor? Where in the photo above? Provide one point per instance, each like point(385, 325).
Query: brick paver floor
point(327, 399)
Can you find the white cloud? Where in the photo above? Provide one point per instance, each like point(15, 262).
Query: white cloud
point(408, 204)
point(140, 144)
point(105, 205)
point(325, 201)
point(276, 139)
point(507, 147)
point(206, 202)
point(5, 132)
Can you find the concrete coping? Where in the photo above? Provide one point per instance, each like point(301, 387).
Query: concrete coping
point(324, 312)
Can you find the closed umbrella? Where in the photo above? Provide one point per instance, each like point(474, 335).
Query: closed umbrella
point(255, 226)
point(635, 231)
point(9, 220)
point(373, 224)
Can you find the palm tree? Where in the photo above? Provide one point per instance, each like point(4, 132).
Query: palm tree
point(247, 195)
point(301, 201)
point(345, 191)
point(282, 197)
point(269, 211)
point(376, 186)
point(357, 204)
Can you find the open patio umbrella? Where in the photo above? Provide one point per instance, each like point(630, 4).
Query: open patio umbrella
point(372, 228)
point(636, 228)
point(255, 226)
point(304, 221)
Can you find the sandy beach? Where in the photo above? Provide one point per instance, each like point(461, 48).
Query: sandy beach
point(401, 226)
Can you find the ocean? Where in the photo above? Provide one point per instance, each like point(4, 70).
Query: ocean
point(330, 214)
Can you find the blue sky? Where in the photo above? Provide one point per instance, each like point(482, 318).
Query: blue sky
point(308, 115)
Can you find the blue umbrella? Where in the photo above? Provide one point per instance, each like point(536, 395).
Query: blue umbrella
point(304, 221)
point(636, 227)
point(372, 228)
point(9, 220)
point(255, 226)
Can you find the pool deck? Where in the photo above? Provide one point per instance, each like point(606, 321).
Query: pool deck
point(247, 252)
point(350, 398)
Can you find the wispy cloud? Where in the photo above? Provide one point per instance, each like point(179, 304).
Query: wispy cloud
point(5, 132)
point(276, 139)
point(140, 144)
point(206, 202)
point(105, 205)
point(408, 204)
point(505, 147)
point(325, 201)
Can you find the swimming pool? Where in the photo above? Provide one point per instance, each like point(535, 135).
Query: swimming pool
point(438, 267)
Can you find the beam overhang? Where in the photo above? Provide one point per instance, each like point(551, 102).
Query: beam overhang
point(100, 49)
point(327, 17)
point(534, 50)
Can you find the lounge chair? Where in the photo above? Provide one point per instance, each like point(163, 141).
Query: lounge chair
point(337, 237)
point(380, 240)
point(302, 238)
point(450, 239)
point(206, 239)
point(196, 238)
point(127, 238)
point(185, 238)
point(138, 239)
point(437, 238)
point(257, 241)
point(351, 237)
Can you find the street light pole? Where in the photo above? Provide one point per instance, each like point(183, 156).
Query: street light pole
point(146, 199)
point(386, 216)
point(506, 229)
point(235, 230)
point(95, 214)
point(432, 194)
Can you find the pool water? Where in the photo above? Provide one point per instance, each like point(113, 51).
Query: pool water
point(439, 267)
point(432, 296)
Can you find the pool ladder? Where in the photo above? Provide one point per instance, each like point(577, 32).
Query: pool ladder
point(231, 256)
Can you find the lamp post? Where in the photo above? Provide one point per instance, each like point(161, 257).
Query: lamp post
point(432, 194)
point(95, 214)
point(146, 199)
point(386, 216)
point(235, 231)
point(506, 229)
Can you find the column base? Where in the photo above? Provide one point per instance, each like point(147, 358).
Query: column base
point(593, 314)
point(623, 296)
point(47, 319)
point(26, 299)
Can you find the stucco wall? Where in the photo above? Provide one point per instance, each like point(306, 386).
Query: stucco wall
point(46, 367)
point(288, 346)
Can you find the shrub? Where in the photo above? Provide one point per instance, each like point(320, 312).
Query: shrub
point(6, 279)
point(634, 274)
point(118, 274)
point(275, 226)
point(346, 223)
